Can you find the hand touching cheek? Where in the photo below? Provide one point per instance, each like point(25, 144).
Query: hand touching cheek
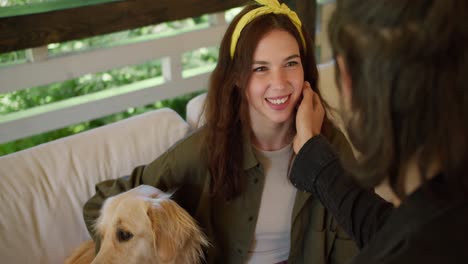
point(309, 117)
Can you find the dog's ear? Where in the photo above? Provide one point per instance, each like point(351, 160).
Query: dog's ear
point(176, 234)
point(169, 223)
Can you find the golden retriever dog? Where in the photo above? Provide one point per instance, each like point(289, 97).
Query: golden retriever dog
point(143, 225)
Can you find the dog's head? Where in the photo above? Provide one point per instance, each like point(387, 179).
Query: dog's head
point(144, 225)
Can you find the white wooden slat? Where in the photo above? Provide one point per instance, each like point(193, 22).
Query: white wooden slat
point(37, 54)
point(71, 66)
point(218, 19)
point(172, 68)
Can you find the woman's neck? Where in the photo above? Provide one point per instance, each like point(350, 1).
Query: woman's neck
point(272, 137)
point(411, 177)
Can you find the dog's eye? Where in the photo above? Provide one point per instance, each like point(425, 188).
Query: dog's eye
point(123, 235)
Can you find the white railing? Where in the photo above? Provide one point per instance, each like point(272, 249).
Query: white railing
point(43, 69)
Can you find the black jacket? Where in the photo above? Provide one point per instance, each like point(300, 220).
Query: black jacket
point(430, 226)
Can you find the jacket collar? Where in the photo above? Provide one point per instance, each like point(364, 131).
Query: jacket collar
point(300, 202)
point(250, 160)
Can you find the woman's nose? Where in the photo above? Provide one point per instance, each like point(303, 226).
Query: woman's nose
point(279, 79)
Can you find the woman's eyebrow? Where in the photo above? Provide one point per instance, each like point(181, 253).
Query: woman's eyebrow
point(292, 57)
point(286, 59)
point(261, 62)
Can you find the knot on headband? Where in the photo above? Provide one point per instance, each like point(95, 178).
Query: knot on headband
point(268, 7)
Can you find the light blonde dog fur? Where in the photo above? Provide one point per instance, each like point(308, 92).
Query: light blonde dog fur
point(143, 225)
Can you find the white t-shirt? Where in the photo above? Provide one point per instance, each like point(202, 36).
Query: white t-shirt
point(273, 229)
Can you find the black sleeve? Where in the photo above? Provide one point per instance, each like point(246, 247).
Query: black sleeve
point(317, 170)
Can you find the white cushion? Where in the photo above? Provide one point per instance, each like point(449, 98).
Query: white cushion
point(195, 106)
point(43, 189)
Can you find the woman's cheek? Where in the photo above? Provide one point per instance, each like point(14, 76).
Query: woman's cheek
point(296, 98)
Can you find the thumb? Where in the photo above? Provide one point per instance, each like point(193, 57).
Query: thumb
point(307, 92)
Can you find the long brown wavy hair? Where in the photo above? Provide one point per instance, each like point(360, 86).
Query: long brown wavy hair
point(408, 62)
point(226, 111)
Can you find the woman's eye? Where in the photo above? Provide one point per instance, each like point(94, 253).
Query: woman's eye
point(260, 69)
point(292, 63)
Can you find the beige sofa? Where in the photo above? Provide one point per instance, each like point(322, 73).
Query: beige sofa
point(43, 189)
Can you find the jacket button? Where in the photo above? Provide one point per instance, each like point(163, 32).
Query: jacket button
point(250, 219)
point(239, 251)
point(256, 180)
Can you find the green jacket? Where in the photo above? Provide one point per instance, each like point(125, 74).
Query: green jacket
point(230, 226)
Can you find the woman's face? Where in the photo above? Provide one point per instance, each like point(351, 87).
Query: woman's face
point(276, 80)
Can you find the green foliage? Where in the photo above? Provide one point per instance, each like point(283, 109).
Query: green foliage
point(15, 56)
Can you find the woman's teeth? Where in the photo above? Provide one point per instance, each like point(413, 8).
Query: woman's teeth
point(278, 101)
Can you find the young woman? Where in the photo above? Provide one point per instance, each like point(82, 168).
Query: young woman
point(402, 68)
point(232, 174)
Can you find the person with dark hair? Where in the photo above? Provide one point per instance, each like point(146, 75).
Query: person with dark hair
point(232, 174)
point(401, 68)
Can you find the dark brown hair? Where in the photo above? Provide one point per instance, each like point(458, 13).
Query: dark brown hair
point(226, 108)
point(408, 62)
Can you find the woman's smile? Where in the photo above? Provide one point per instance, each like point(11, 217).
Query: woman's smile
point(278, 103)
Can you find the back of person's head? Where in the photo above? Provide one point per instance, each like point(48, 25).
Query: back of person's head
point(408, 61)
point(226, 110)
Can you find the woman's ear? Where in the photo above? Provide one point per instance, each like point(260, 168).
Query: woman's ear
point(346, 83)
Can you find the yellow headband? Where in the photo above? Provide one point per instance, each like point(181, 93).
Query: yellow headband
point(269, 6)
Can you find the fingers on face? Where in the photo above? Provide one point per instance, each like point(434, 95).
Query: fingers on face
point(311, 95)
point(307, 90)
point(315, 99)
point(307, 86)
